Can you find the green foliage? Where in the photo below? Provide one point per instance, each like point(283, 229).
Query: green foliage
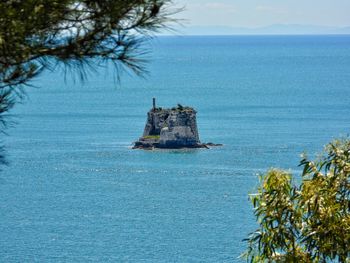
point(309, 222)
point(152, 137)
point(180, 108)
point(6, 103)
point(40, 34)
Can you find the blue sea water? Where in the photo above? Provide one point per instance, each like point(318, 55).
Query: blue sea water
point(76, 192)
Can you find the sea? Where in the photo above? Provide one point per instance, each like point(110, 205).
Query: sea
point(75, 191)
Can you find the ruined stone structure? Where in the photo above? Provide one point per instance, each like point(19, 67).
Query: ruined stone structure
point(170, 128)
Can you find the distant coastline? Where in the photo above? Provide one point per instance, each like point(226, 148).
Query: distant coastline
point(280, 29)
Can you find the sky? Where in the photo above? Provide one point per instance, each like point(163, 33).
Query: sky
point(260, 13)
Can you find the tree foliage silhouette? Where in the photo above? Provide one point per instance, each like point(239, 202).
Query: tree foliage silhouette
point(38, 35)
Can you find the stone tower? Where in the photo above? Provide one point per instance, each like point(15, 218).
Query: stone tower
point(170, 128)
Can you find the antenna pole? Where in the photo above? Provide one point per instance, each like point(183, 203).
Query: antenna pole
point(154, 103)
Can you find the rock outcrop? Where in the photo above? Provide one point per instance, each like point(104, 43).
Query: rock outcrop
point(170, 128)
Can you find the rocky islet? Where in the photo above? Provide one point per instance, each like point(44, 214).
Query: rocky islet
point(172, 128)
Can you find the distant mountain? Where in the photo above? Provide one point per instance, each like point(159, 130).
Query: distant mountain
point(280, 29)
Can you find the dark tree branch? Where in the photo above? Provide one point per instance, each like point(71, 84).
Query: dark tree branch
point(38, 35)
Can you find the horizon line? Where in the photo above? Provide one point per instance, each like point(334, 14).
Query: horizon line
point(249, 34)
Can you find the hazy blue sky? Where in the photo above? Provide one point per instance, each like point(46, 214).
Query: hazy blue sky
point(256, 13)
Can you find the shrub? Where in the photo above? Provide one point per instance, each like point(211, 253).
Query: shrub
point(309, 222)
